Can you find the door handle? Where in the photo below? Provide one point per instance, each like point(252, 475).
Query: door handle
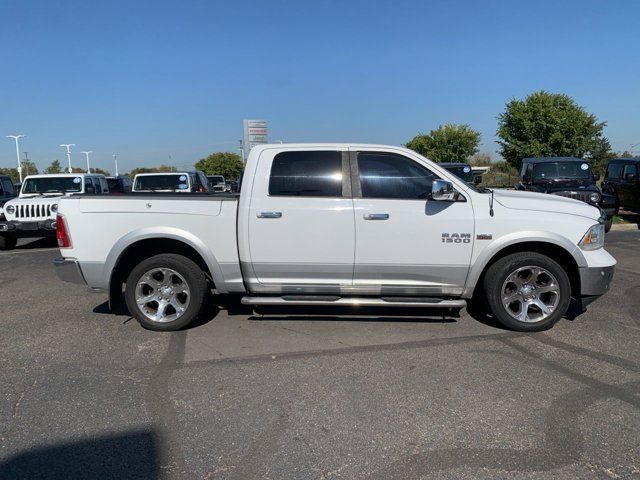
point(269, 214)
point(376, 216)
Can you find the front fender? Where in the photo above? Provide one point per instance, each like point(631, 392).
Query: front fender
point(171, 233)
point(505, 241)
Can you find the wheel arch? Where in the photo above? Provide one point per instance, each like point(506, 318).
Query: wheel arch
point(137, 246)
point(570, 260)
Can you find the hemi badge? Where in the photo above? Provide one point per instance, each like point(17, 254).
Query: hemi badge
point(484, 236)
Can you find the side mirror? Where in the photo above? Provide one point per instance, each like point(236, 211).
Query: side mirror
point(477, 180)
point(443, 191)
point(630, 177)
point(596, 176)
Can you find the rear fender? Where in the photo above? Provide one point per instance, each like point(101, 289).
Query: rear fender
point(167, 233)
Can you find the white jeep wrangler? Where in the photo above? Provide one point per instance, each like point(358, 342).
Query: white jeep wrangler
point(33, 213)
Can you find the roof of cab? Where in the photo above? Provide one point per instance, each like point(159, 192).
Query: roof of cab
point(553, 159)
point(64, 175)
point(628, 159)
point(453, 164)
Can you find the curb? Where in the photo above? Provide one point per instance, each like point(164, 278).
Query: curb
point(625, 227)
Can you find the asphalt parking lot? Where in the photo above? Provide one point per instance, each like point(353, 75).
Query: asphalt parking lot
point(303, 394)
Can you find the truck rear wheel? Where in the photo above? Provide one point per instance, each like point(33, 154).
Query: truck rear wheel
point(527, 291)
point(166, 292)
point(7, 242)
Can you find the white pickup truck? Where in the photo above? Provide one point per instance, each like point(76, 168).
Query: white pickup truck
point(339, 224)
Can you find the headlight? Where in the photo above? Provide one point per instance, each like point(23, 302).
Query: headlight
point(593, 239)
point(10, 209)
point(594, 197)
point(54, 207)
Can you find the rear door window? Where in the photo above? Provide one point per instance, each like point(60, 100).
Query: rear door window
point(629, 168)
point(614, 170)
point(388, 175)
point(306, 174)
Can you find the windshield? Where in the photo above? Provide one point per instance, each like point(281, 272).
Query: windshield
point(463, 172)
point(52, 185)
point(161, 182)
point(561, 170)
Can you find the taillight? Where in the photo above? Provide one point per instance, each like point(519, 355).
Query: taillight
point(64, 240)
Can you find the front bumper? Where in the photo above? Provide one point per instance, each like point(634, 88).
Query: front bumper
point(42, 228)
point(595, 281)
point(68, 270)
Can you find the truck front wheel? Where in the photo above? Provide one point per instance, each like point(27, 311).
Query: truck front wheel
point(166, 292)
point(7, 242)
point(527, 291)
point(607, 224)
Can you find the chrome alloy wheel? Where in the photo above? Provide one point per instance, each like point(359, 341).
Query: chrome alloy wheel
point(162, 295)
point(530, 294)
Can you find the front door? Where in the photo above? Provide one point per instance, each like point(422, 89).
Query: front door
point(405, 243)
point(301, 228)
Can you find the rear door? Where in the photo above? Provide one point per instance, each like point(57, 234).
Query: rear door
point(405, 243)
point(630, 186)
point(300, 226)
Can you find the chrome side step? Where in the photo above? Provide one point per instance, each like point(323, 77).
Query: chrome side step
point(325, 300)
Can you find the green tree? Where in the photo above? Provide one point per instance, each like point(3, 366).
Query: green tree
point(448, 143)
point(547, 125)
point(100, 171)
point(161, 168)
point(55, 167)
point(11, 172)
point(222, 163)
point(29, 168)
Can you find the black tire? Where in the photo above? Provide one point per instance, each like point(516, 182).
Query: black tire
point(497, 275)
point(7, 242)
point(607, 224)
point(192, 275)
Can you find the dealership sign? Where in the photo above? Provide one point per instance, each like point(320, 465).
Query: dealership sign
point(255, 133)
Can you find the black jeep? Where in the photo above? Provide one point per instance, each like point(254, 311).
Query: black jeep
point(622, 180)
point(568, 177)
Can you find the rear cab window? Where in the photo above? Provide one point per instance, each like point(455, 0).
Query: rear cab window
point(169, 181)
point(307, 174)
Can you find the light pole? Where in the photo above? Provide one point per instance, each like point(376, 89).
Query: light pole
point(115, 159)
point(17, 138)
point(242, 151)
point(68, 147)
point(86, 154)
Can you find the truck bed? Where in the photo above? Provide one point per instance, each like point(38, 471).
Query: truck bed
point(103, 227)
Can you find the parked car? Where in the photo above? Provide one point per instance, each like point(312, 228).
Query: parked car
point(336, 224)
point(463, 171)
point(120, 184)
point(217, 183)
point(622, 179)
point(33, 213)
point(7, 192)
point(567, 177)
point(182, 182)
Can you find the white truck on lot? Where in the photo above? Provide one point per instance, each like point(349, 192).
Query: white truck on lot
point(33, 213)
point(339, 224)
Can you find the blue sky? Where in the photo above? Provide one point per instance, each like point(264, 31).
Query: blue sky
point(153, 79)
